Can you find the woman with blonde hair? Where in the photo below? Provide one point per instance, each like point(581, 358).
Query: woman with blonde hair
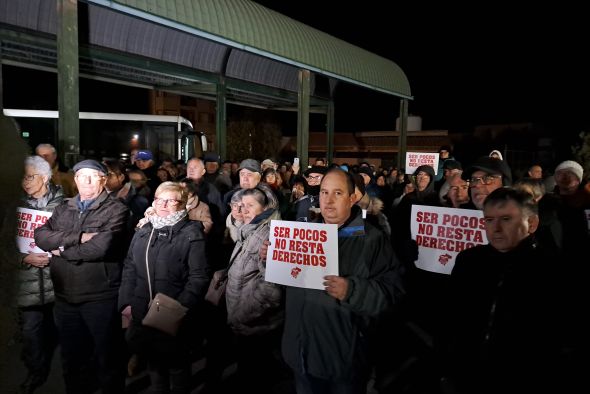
point(167, 255)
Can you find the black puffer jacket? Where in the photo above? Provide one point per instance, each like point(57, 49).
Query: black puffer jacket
point(178, 267)
point(88, 271)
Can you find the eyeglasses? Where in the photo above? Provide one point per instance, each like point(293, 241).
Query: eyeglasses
point(485, 180)
point(314, 177)
point(30, 178)
point(166, 202)
point(93, 177)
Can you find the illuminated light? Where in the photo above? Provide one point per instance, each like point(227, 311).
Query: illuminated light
point(135, 136)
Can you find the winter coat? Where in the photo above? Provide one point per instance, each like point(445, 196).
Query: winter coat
point(328, 338)
point(89, 271)
point(35, 285)
point(254, 306)
point(178, 267)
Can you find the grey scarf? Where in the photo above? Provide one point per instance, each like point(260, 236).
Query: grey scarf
point(170, 220)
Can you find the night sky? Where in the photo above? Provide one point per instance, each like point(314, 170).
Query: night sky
point(466, 66)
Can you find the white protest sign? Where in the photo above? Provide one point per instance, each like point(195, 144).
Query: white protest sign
point(27, 221)
point(301, 254)
point(441, 233)
point(417, 159)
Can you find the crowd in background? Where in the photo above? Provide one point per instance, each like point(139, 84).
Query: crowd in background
point(509, 314)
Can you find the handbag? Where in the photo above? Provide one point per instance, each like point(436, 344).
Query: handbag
point(216, 291)
point(164, 313)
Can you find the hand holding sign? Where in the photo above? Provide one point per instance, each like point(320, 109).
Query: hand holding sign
point(336, 286)
point(38, 260)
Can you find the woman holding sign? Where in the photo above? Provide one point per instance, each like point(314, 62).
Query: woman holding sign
point(35, 291)
point(254, 306)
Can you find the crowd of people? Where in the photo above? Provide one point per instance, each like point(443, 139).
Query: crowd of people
point(509, 317)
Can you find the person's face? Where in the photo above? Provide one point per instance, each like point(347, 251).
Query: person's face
point(250, 208)
point(314, 179)
point(335, 201)
point(320, 163)
point(226, 168)
point(298, 190)
point(422, 180)
point(48, 154)
point(211, 167)
point(236, 211)
point(114, 181)
point(90, 183)
point(270, 178)
point(458, 191)
point(34, 184)
point(167, 203)
point(163, 175)
point(234, 167)
point(479, 190)
point(443, 154)
point(507, 225)
point(366, 178)
point(381, 181)
point(248, 179)
point(143, 164)
point(567, 182)
point(195, 170)
point(447, 172)
point(136, 180)
point(536, 172)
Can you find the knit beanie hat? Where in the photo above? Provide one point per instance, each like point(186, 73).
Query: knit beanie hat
point(572, 166)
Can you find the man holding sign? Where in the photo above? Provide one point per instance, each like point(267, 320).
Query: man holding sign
point(326, 337)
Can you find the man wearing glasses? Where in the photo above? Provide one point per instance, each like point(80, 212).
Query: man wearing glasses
point(85, 236)
point(485, 175)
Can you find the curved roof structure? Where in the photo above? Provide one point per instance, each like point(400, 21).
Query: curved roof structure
point(185, 46)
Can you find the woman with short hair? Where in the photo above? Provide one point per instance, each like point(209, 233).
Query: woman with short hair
point(254, 306)
point(173, 247)
point(35, 290)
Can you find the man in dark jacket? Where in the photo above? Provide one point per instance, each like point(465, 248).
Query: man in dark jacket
point(327, 333)
point(84, 236)
point(502, 313)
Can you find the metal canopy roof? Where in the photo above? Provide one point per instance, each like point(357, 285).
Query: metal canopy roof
point(184, 46)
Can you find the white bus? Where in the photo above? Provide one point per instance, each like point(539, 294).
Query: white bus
point(115, 135)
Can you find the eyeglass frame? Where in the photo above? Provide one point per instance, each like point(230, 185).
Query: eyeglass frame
point(30, 178)
point(93, 177)
point(166, 201)
point(484, 180)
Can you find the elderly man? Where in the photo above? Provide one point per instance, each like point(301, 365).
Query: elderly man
point(502, 321)
point(84, 236)
point(250, 174)
point(61, 174)
point(307, 207)
point(327, 332)
point(485, 175)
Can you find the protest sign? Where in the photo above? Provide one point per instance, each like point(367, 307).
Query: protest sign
point(27, 220)
point(417, 159)
point(441, 233)
point(301, 254)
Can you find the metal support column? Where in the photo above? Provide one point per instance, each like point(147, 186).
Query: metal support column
point(221, 120)
point(67, 81)
point(403, 133)
point(303, 118)
point(330, 132)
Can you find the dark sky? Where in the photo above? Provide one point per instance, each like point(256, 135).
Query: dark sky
point(466, 66)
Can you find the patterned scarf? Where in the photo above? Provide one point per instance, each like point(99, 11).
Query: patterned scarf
point(170, 220)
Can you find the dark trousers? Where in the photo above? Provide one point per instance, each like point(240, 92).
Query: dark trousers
point(92, 346)
point(307, 384)
point(39, 340)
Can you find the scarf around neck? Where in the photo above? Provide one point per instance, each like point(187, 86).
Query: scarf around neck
point(170, 220)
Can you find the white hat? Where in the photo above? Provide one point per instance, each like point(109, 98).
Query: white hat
point(571, 166)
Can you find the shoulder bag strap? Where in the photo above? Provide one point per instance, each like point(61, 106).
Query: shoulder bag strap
point(147, 267)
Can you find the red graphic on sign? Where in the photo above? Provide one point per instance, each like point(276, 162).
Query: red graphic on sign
point(444, 258)
point(32, 245)
point(295, 272)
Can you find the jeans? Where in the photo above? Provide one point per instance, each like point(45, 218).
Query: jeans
point(39, 340)
point(92, 346)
